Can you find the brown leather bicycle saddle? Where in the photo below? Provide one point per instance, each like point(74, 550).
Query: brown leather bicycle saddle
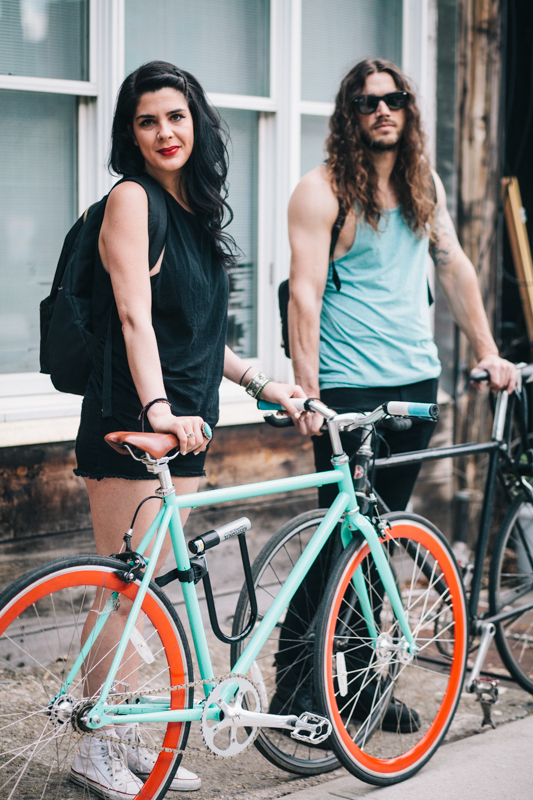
point(156, 445)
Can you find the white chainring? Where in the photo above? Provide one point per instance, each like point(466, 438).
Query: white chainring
point(228, 736)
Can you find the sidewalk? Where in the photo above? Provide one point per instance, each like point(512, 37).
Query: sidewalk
point(496, 765)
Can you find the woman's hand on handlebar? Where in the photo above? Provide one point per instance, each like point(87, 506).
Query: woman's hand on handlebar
point(502, 372)
point(188, 430)
point(281, 393)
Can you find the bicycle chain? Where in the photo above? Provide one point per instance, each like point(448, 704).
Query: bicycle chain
point(97, 734)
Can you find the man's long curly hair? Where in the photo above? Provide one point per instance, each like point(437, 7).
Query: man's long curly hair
point(352, 172)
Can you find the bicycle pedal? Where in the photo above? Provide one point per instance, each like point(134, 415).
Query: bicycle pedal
point(486, 691)
point(311, 728)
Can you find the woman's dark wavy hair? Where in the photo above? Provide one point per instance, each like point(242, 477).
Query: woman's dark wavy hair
point(205, 173)
point(353, 176)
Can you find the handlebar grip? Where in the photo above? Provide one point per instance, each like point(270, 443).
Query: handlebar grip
point(264, 405)
point(479, 375)
point(397, 408)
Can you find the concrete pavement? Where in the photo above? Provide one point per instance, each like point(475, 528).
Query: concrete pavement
point(495, 765)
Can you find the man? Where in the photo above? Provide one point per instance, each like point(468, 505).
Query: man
point(360, 330)
point(370, 340)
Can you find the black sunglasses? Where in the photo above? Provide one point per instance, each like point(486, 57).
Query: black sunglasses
point(368, 103)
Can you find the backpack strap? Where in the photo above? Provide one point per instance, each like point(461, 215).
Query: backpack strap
point(157, 234)
point(337, 227)
point(157, 215)
point(431, 299)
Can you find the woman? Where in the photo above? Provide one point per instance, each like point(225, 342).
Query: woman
point(168, 329)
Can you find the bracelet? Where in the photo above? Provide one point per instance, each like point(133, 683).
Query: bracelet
point(257, 384)
point(258, 395)
point(145, 409)
point(244, 373)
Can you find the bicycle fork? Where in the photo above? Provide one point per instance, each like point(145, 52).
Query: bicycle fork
point(355, 521)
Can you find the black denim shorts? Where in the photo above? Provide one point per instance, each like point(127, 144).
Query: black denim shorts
point(96, 459)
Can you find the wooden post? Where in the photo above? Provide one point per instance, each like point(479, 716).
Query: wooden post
point(479, 92)
point(518, 239)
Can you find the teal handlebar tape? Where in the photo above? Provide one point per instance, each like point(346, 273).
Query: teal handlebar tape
point(423, 410)
point(264, 405)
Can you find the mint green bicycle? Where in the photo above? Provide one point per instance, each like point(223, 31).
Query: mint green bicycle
point(393, 603)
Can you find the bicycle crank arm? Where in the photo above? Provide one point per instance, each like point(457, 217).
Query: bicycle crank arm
point(308, 727)
point(487, 631)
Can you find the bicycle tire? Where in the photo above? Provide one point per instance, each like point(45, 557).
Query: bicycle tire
point(270, 569)
point(356, 690)
point(511, 586)
point(41, 619)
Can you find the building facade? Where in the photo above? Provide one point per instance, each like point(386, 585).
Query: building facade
point(271, 67)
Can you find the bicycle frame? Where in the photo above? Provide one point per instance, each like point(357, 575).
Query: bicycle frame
point(345, 509)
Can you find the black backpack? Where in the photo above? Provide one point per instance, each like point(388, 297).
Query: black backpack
point(73, 321)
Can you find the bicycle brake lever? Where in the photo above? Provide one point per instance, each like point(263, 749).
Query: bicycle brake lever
point(278, 422)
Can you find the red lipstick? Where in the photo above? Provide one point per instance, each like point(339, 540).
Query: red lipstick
point(168, 151)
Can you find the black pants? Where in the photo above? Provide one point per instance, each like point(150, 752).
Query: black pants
point(393, 485)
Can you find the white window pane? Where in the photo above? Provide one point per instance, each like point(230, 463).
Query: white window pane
point(44, 38)
point(335, 36)
point(37, 207)
point(314, 134)
point(242, 328)
point(224, 43)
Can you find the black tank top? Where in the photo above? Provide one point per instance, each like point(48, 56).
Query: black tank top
point(189, 316)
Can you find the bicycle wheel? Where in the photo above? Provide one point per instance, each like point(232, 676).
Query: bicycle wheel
point(41, 620)
point(284, 674)
point(357, 680)
point(511, 589)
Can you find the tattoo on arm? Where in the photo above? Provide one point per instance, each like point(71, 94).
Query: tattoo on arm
point(445, 247)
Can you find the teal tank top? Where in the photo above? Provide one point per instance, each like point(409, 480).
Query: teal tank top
point(376, 331)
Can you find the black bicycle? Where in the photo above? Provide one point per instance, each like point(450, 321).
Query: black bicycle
point(509, 618)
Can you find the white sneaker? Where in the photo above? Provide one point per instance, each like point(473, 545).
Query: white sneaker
point(100, 766)
point(141, 760)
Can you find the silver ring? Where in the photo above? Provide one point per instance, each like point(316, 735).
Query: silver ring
point(190, 435)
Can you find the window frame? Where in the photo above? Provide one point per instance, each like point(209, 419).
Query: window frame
point(279, 144)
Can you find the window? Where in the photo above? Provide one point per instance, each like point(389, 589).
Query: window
point(335, 36)
point(242, 179)
point(314, 134)
point(224, 43)
point(43, 57)
point(37, 207)
point(356, 29)
point(44, 38)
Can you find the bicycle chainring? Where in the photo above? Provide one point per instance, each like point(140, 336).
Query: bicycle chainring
point(227, 736)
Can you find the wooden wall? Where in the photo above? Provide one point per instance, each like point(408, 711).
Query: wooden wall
point(480, 112)
point(39, 493)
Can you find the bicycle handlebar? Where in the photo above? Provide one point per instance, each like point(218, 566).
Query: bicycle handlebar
point(397, 408)
point(478, 375)
point(394, 408)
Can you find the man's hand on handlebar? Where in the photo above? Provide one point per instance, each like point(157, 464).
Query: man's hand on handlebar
point(502, 372)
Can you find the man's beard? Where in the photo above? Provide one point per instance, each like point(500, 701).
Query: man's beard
point(377, 144)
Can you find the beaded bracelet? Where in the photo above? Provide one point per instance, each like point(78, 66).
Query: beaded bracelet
point(257, 384)
point(145, 408)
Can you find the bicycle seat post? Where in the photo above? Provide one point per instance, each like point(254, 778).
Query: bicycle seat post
point(159, 467)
